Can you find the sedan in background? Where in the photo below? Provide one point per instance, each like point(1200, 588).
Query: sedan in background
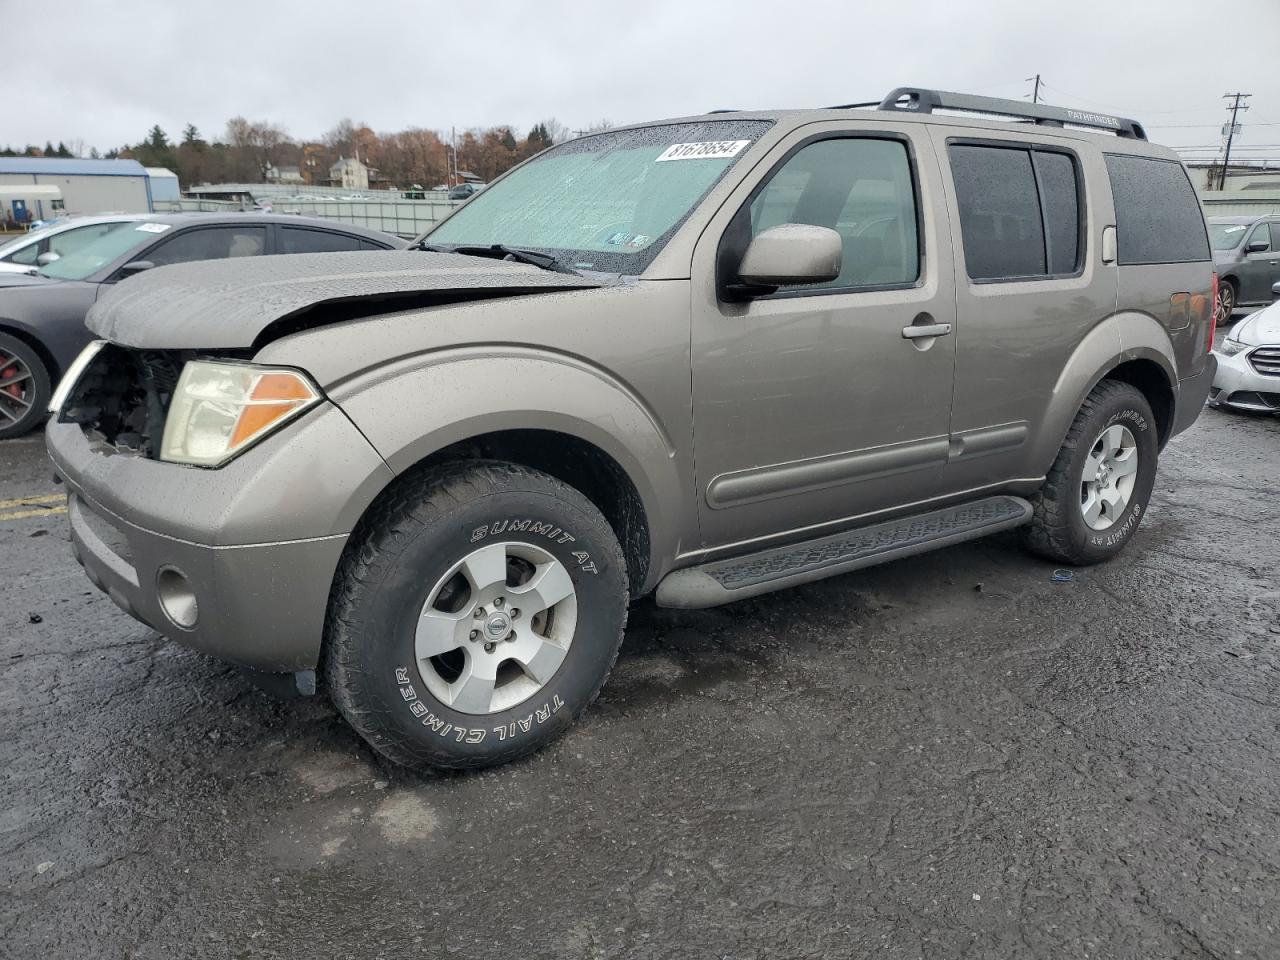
point(1248, 376)
point(42, 315)
point(1246, 257)
point(35, 249)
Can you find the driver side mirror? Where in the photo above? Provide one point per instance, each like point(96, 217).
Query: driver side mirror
point(1256, 246)
point(46, 258)
point(789, 254)
point(137, 266)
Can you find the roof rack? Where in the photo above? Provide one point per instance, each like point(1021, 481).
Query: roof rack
point(918, 100)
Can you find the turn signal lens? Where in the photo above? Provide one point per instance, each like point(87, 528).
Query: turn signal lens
point(219, 409)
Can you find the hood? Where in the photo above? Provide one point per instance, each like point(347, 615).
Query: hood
point(15, 279)
point(1259, 328)
point(246, 302)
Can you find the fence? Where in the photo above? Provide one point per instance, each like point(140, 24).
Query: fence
point(405, 218)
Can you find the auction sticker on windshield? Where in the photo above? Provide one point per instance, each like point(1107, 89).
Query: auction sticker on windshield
point(708, 150)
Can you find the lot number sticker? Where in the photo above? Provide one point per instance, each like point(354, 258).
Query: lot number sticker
point(708, 150)
point(152, 227)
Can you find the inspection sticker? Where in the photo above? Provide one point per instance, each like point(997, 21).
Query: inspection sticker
point(153, 227)
point(708, 150)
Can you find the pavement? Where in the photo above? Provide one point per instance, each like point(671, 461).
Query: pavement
point(949, 756)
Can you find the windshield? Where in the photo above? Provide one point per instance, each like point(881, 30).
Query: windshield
point(96, 254)
point(607, 202)
point(1226, 236)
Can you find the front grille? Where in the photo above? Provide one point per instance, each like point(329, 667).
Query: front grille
point(1266, 360)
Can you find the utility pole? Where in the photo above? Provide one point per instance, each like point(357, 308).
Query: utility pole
point(1236, 106)
point(1035, 91)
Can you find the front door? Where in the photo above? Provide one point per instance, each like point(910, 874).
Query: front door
point(817, 405)
point(1258, 267)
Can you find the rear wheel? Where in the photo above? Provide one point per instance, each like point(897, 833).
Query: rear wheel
point(1226, 303)
point(24, 387)
point(1099, 485)
point(476, 614)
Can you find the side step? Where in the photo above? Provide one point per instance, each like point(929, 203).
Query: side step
point(724, 581)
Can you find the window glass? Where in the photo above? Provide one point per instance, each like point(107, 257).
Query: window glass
point(1275, 236)
point(297, 240)
point(862, 189)
point(1060, 197)
point(1260, 235)
point(27, 255)
point(1000, 223)
point(70, 241)
point(1226, 236)
point(1158, 218)
point(607, 202)
point(210, 243)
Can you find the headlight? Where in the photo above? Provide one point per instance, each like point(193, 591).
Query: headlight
point(219, 409)
point(1229, 347)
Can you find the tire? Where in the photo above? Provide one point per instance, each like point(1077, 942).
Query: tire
point(1226, 303)
point(24, 387)
point(439, 538)
point(1061, 529)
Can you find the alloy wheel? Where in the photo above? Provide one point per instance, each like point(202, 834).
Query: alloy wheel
point(1110, 472)
point(17, 388)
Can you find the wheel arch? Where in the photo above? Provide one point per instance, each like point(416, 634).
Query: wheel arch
point(23, 333)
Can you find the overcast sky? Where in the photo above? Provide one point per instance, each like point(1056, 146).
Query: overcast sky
point(103, 73)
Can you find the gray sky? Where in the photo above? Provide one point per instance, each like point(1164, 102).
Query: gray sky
point(104, 73)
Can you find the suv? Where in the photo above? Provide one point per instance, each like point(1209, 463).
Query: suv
point(1246, 255)
point(701, 359)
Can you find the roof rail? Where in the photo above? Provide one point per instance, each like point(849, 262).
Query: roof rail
point(918, 100)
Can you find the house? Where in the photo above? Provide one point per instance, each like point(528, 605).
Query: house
point(276, 174)
point(349, 173)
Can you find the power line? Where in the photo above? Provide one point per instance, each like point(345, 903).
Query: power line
point(1127, 110)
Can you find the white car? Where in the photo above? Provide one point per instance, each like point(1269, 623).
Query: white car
point(35, 249)
point(1248, 376)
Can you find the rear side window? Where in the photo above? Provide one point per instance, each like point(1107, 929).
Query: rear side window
point(298, 240)
point(1158, 218)
point(1275, 236)
point(1020, 211)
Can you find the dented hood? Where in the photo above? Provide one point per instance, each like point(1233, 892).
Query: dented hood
point(244, 302)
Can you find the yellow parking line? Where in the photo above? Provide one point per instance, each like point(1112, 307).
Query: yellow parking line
point(32, 501)
point(23, 514)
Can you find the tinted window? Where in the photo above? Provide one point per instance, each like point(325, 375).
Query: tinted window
point(999, 207)
point(860, 188)
point(296, 240)
point(1060, 197)
point(1275, 236)
point(210, 243)
point(1158, 218)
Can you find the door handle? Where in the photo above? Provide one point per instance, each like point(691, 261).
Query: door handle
point(916, 331)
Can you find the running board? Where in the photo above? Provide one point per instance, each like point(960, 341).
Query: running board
point(724, 581)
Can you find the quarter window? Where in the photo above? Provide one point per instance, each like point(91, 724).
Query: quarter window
point(1275, 236)
point(1020, 213)
point(1158, 218)
point(862, 189)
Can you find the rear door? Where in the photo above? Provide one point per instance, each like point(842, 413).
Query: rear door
point(1030, 285)
point(811, 406)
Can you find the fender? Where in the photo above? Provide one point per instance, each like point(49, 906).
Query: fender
point(1120, 338)
point(420, 404)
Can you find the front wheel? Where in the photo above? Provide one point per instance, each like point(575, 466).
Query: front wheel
point(477, 612)
point(1226, 303)
point(1098, 487)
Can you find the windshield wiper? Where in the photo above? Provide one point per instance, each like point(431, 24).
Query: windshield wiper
point(544, 261)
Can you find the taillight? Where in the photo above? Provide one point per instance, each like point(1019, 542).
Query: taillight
point(1213, 313)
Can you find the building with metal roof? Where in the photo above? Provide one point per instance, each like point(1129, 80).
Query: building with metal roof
point(85, 186)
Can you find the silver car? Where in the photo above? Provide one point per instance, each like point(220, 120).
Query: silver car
point(1248, 376)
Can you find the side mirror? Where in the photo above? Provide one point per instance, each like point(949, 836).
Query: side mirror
point(1256, 246)
point(137, 266)
point(1275, 291)
point(46, 258)
point(790, 253)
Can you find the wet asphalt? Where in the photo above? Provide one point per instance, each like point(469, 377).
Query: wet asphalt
point(949, 756)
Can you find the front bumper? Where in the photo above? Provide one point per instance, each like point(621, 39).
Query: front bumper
point(255, 543)
point(1237, 384)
